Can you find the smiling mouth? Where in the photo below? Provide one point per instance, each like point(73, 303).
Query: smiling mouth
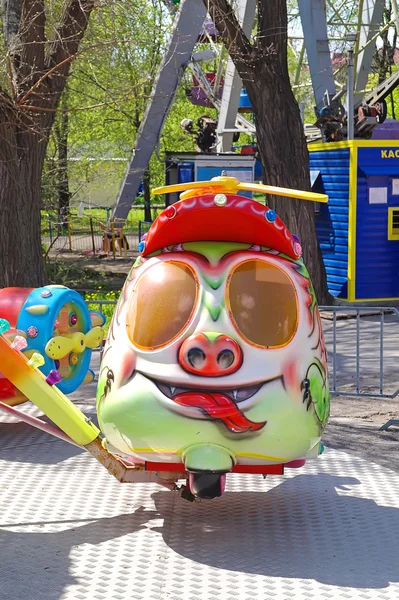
point(221, 405)
point(237, 395)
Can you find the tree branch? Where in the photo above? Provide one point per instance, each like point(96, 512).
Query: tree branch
point(57, 67)
point(47, 74)
point(32, 36)
point(74, 22)
point(237, 44)
point(11, 13)
point(24, 22)
point(6, 99)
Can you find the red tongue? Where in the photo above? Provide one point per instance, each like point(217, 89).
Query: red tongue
point(219, 406)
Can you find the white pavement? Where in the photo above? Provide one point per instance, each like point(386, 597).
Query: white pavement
point(70, 531)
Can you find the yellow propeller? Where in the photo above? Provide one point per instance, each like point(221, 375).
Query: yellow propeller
point(61, 345)
point(231, 185)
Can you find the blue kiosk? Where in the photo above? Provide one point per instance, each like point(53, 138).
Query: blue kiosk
point(188, 166)
point(358, 229)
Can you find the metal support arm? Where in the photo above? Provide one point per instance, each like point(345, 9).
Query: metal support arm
point(369, 20)
point(232, 82)
point(314, 25)
point(189, 21)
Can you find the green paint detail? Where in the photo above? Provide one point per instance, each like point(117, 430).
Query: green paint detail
point(134, 416)
point(267, 250)
point(37, 309)
point(208, 457)
point(214, 251)
point(214, 308)
point(215, 281)
point(137, 262)
point(212, 335)
point(319, 390)
point(302, 270)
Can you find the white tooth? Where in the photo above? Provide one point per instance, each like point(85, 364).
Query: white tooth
point(172, 390)
point(235, 394)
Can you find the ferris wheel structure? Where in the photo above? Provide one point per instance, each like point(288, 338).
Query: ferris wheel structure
point(333, 46)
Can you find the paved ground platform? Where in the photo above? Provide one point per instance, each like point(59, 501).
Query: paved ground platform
point(69, 531)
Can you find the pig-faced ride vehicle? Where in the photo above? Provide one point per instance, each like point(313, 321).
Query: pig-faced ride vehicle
point(215, 360)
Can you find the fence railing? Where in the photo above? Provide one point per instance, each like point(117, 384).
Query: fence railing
point(89, 234)
point(362, 346)
point(100, 304)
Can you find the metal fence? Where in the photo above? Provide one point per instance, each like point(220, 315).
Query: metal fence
point(92, 235)
point(362, 345)
point(363, 348)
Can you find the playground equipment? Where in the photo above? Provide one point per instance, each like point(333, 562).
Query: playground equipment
point(55, 323)
point(113, 238)
point(215, 360)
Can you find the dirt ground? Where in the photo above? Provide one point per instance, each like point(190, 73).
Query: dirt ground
point(81, 271)
point(354, 427)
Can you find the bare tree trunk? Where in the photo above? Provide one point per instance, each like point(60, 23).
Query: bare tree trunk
point(21, 165)
point(282, 147)
point(280, 136)
point(61, 134)
point(38, 71)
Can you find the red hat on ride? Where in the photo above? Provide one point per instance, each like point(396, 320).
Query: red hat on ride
point(204, 216)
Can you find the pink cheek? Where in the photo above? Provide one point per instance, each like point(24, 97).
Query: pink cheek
point(127, 365)
point(290, 374)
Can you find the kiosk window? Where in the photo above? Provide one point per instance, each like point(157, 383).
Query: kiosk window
point(393, 223)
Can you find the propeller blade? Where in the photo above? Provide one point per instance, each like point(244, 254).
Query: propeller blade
point(279, 191)
point(231, 185)
point(94, 337)
point(59, 346)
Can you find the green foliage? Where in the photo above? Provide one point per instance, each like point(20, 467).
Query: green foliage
point(110, 85)
point(66, 273)
point(96, 299)
point(108, 90)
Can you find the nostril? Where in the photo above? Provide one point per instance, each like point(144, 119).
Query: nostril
point(196, 357)
point(225, 359)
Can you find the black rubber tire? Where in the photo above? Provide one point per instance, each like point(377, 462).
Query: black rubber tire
point(207, 485)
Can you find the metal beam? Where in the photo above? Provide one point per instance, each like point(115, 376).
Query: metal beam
point(370, 19)
point(188, 23)
point(314, 25)
point(232, 82)
point(241, 123)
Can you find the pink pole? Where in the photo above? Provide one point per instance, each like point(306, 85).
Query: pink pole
point(37, 423)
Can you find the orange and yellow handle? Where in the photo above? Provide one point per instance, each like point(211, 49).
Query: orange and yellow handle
point(32, 383)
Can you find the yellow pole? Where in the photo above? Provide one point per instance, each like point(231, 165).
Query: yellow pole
point(113, 236)
point(352, 224)
point(49, 399)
